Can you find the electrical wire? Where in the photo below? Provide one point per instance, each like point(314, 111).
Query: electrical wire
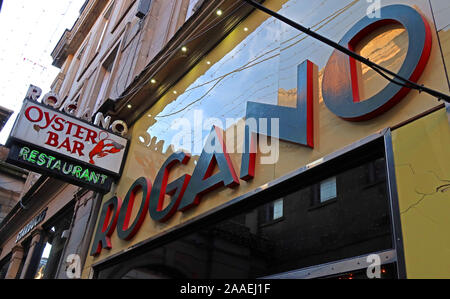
point(250, 63)
point(214, 24)
point(379, 69)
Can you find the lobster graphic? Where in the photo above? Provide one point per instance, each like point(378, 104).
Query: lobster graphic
point(104, 147)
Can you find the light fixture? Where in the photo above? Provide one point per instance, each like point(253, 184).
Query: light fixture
point(219, 12)
point(175, 92)
point(208, 62)
point(153, 81)
point(245, 29)
point(129, 106)
point(184, 49)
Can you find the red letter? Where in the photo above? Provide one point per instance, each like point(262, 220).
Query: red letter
point(60, 127)
point(91, 135)
point(79, 131)
point(48, 120)
point(106, 225)
point(203, 180)
point(124, 230)
point(52, 139)
point(27, 114)
point(78, 147)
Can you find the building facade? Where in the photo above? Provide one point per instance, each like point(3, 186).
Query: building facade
point(254, 150)
point(49, 231)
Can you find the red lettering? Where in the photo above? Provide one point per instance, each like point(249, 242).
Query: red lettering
point(48, 120)
point(78, 148)
point(91, 135)
point(69, 129)
point(52, 139)
point(80, 130)
point(28, 116)
point(60, 127)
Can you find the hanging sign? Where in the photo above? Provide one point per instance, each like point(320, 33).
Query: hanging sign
point(52, 142)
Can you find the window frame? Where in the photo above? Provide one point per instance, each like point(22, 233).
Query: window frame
point(279, 188)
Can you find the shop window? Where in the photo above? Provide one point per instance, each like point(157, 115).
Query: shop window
point(52, 252)
point(43, 261)
point(328, 189)
point(233, 248)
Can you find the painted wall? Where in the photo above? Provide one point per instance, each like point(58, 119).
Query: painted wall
point(421, 151)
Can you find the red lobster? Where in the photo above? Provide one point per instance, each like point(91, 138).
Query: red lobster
point(103, 148)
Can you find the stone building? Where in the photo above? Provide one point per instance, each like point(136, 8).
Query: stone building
point(12, 178)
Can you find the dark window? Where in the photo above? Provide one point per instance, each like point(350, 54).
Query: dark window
point(356, 224)
point(271, 212)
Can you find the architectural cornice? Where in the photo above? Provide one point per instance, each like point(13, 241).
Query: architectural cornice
point(72, 39)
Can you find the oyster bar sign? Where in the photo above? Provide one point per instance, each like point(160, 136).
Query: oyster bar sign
point(55, 143)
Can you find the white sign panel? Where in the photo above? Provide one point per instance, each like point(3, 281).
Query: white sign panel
point(68, 136)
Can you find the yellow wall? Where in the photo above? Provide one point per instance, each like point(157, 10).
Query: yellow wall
point(422, 162)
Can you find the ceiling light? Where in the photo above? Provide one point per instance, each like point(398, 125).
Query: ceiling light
point(219, 12)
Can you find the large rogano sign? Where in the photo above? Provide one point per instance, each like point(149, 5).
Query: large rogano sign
point(340, 95)
point(51, 142)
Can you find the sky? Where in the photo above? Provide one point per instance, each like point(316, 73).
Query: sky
point(29, 31)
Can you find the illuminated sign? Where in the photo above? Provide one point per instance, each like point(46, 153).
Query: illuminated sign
point(51, 164)
point(295, 125)
point(55, 143)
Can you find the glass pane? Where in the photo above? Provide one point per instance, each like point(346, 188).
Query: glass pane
point(247, 246)
point(43, 261)
point(328, 189)
point(278, 209)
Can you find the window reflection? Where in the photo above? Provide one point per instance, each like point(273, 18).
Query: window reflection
point(43, 261)
point(283, 235)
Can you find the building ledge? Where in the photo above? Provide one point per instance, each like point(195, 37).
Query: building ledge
point(72, 39)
